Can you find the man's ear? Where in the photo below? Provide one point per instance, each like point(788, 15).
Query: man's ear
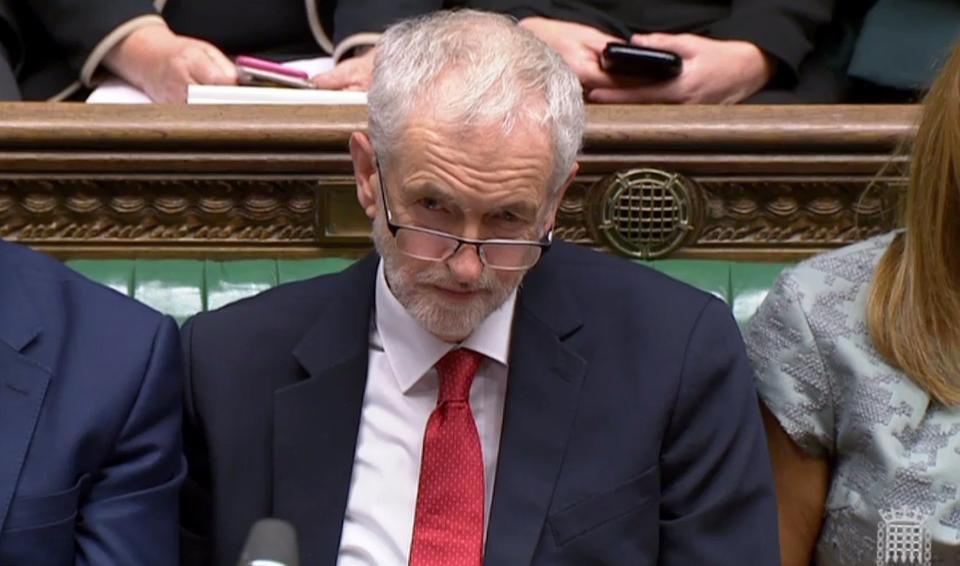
point(557, 198)
point(365, 172)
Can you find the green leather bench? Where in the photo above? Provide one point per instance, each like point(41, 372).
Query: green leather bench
point(182, 288)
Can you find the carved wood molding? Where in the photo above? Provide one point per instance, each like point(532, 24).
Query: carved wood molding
point(766, 218)
point(158, 211)
point(776, 182)
point(744, 217)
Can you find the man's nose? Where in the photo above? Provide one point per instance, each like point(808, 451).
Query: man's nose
point(465, 265)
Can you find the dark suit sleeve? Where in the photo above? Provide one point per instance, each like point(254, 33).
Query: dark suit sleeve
point(130, 515)
point(373, 16)
point(517, 8)
point(196, 537)
point(784, 29)
point(718, 502)
point(79, 25)
point(11, 43)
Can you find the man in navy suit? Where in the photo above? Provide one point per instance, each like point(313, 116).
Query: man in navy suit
point(90, 450)
point(475, 393)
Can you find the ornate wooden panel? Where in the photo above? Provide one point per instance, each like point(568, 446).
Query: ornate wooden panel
point(746, 182)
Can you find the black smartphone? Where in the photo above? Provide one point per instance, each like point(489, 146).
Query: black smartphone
point(625, 59)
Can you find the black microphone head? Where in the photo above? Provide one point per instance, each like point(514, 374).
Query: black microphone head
point(271, 542)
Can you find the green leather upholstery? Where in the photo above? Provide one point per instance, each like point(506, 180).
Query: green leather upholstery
point(181, 288)
point(741, 285)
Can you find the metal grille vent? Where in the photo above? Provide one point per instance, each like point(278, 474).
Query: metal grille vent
point(645, 213)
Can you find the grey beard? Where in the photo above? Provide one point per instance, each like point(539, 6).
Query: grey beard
point(440, 319)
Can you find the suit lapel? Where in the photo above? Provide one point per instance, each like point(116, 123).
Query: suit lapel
point(23, 380)
point(317, 419)
point(542, 396)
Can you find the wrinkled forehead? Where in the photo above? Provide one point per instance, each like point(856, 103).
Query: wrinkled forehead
point(490, 140)
point(495, 105)
point(522, 153)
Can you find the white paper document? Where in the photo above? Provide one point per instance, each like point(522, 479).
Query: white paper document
point(116, 91)
point(203, 94)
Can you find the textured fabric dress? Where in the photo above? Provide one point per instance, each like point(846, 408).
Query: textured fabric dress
point(894, 451)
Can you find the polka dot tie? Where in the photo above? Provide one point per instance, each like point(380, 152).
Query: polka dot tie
point(448, 529)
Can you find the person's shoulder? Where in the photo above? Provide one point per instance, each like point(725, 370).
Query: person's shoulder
point(847, 270)
point(286, 310)
point(95, 303)
point(611, 276)
point(274, 301)
point(630, 296)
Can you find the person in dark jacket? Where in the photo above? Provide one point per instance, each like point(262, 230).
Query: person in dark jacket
point(90, 433)
point(732, 50)
point(55, 47)
point(462, 396)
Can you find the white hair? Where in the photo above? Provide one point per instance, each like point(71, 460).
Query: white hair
point(502, 74)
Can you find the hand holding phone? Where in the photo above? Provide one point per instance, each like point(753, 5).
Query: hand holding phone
point(654, 64)
point(252, 71)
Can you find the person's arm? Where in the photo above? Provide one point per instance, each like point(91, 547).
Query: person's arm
point(580, 46)
point(131, 39)
point(785, 30)
point(520, 9)
point(87, 29)
point(718, 503)
point(357, 27)
point(350, 73)
point(802, 483)
point(130, 514)
point(799, 408)
point(163, 64)
point(715, 71)
point(759, 42)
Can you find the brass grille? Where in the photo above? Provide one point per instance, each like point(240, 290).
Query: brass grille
point(645, 213)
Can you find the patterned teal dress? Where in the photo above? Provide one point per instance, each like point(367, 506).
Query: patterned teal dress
point(895, 452)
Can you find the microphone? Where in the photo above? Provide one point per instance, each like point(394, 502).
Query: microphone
point(271, 542)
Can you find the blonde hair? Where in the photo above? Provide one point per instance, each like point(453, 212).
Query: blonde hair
point(913, 312)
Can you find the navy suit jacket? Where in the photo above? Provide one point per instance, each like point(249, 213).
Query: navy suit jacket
point(90, 451)
point(631, 429)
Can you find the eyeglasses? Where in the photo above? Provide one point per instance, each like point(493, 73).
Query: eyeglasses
point(434, 245)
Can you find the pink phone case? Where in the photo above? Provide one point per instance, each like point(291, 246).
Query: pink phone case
point(263, 65)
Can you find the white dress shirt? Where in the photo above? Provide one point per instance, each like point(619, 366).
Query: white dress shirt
point(401, 393)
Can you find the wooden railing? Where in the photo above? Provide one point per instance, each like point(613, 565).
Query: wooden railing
point(747, 182)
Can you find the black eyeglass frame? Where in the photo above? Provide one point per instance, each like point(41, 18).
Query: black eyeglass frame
point(544, 243)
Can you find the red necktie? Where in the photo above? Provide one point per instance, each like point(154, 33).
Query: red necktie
point(448, 530)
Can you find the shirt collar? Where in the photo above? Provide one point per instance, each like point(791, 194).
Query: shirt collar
point(412, 351)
